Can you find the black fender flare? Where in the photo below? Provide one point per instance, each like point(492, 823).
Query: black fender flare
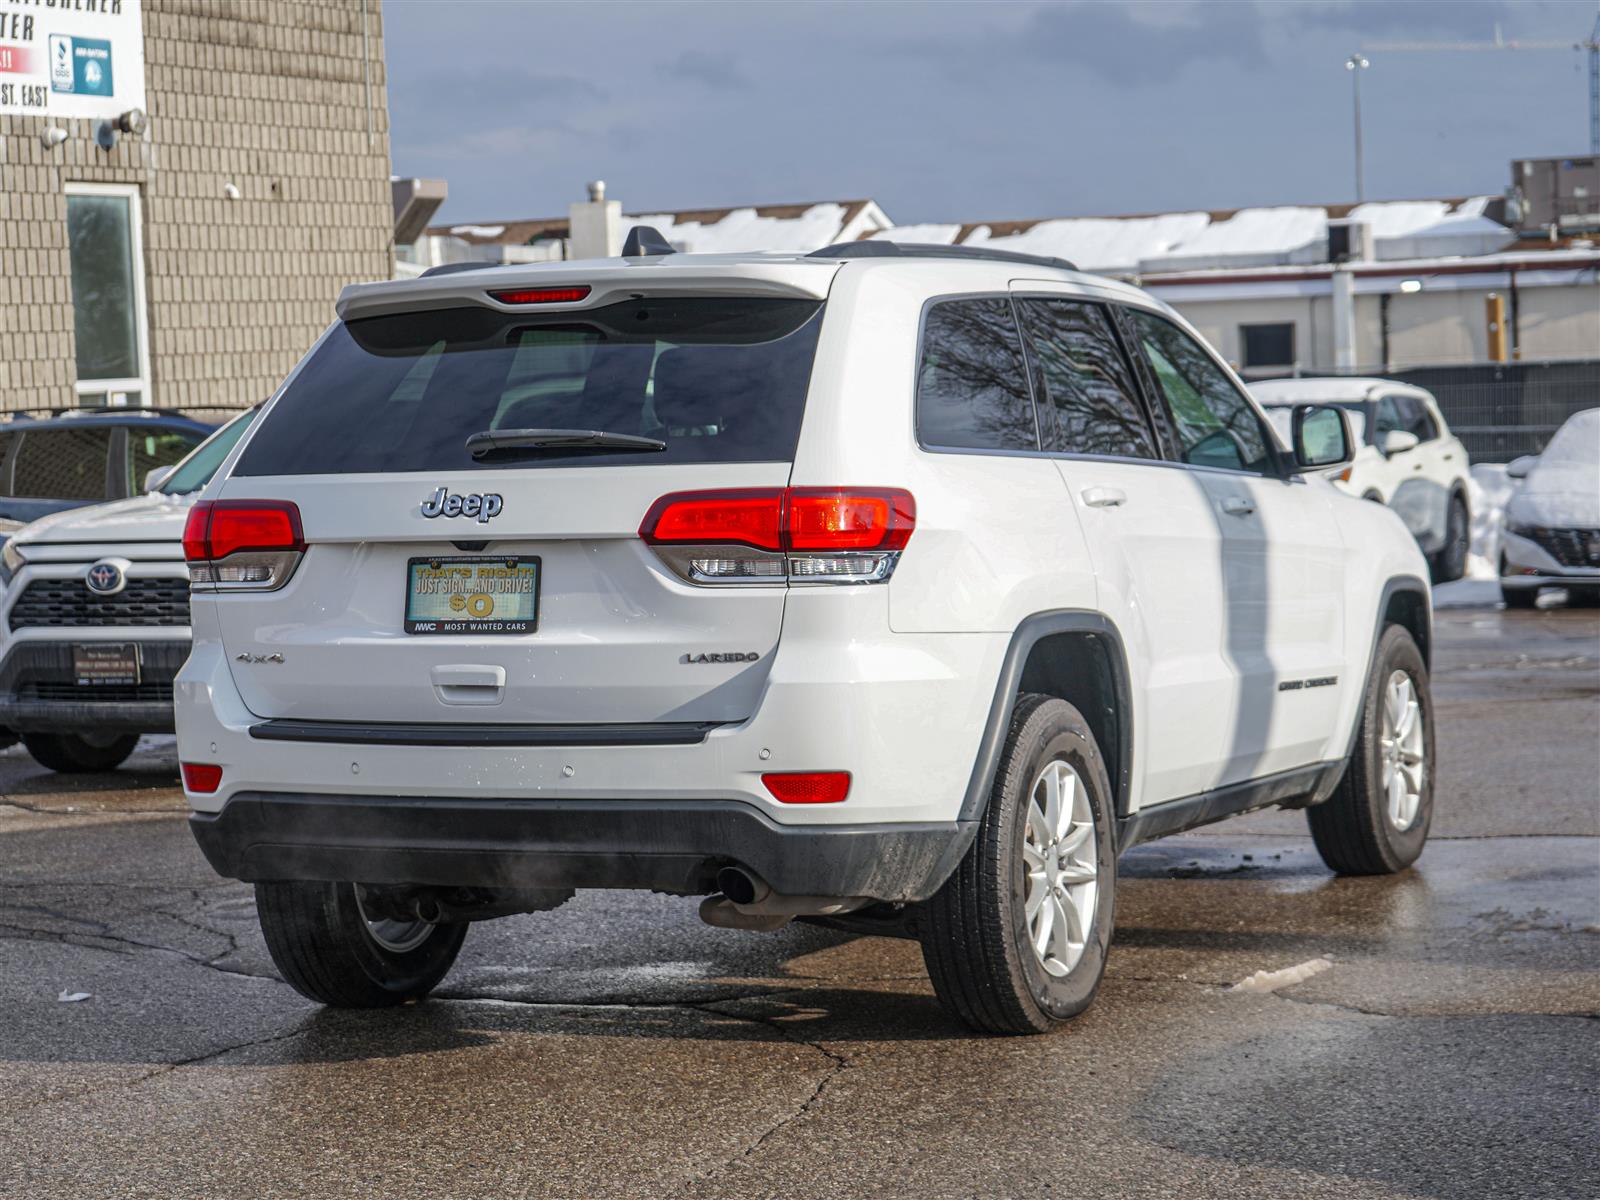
point(1395, 586)
point(1023, 639)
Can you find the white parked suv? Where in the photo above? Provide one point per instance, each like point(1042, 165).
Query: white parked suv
point(893, 587)
point(94, 617)
point(1406, 457)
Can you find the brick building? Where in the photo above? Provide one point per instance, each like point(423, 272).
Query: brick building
point(190, 262)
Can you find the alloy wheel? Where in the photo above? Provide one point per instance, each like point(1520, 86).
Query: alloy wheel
point(1060, 863)
point(1403, 745)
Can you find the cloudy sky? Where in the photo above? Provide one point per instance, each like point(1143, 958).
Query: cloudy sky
point(956, 111)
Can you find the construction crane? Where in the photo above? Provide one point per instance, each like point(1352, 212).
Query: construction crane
point(1591, 44)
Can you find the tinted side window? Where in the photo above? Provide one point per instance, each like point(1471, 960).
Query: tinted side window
point(972, 387)
point(1215, 424)
point(63, 464)
point(1087, 383)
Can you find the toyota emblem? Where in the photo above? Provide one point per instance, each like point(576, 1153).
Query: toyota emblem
point(105, 578)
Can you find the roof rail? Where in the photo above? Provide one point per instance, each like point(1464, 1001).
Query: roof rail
point(877, 249)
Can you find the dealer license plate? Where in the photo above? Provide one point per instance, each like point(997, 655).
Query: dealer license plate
point(472, 595)
point(106, 664)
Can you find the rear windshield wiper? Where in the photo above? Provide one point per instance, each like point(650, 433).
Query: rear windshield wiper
point(498, 442)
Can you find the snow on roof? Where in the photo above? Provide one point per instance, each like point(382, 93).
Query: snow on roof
point(1251, 237)
point(783, 227)
point(938, 235)
point(743, 229)
point(1099, 243)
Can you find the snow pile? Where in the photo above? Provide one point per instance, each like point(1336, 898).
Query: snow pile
point(1464, 231)
point(1490, 489)
point(744, 230)
point(1271, 981)
point(478, 231)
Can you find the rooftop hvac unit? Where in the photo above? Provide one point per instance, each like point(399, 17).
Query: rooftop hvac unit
point(1350, 241)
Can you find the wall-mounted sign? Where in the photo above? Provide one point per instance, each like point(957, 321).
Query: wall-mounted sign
point(71, 58)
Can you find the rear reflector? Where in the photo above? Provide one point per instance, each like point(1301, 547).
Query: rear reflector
point(201, 777)
point(549, 295)
point(808, 787)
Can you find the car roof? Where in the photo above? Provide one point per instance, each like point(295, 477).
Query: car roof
point(770, 273)
point(1330, 389)
point(101, 416)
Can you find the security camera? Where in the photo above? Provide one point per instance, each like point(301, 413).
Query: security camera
point(52, 137)
point(106, 135)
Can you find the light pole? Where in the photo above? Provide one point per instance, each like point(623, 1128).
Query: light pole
point(1356, 64)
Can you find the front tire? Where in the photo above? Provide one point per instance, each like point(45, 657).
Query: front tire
point(331, 950)
point(1016, 940)
point(1376, 822)
point(1450, 563)
point(80, 754)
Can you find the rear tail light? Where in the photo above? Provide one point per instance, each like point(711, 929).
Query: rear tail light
point(808, 787)
point(782, 535)
point(201, 777)
point(242, 545)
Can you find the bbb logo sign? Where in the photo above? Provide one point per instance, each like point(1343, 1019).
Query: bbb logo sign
point(105, 578)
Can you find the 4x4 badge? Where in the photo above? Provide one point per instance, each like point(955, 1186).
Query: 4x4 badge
point(481, 505)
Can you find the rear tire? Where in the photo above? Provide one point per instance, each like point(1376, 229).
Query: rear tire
point(979, 936)
point(329, 950)
point(1376, 822)
point(78, 754)
point(1450, 563)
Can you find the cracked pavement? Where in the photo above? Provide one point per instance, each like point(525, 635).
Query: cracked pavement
point(617, 1047)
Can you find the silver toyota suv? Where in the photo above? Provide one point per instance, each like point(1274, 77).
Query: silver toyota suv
point(899, 587)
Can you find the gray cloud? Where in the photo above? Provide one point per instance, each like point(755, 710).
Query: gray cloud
point(719, 72)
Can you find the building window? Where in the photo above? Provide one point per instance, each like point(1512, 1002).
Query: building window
point(1267, 345)
point(103, 239)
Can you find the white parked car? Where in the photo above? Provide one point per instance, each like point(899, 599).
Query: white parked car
point(1407, 458)
point(1552, 534)
point(900, 586)
point(94, 617)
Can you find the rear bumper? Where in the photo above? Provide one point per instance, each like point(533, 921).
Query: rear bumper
point(675, 847)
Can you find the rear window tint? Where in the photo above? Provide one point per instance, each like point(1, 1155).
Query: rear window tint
point(718, 380)
point(972, 387)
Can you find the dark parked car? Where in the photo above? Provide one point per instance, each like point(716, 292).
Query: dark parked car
point(74, 458)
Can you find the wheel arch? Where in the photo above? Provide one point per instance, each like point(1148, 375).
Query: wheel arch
point(1078, 656)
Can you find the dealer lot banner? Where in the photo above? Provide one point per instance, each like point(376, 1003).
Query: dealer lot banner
point(71, 58)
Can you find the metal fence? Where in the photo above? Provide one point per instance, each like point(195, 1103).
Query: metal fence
point(1502, 410)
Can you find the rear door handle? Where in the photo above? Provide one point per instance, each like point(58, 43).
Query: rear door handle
point(1237, 506)
point(1103, 497)
point(468, 683)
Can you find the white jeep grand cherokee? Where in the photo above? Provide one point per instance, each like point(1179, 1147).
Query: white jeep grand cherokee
point(895, 587)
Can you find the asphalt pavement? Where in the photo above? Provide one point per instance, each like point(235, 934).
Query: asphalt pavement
point(1443, 1042)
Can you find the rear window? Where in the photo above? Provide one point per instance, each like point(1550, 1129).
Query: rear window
point(717, 380)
